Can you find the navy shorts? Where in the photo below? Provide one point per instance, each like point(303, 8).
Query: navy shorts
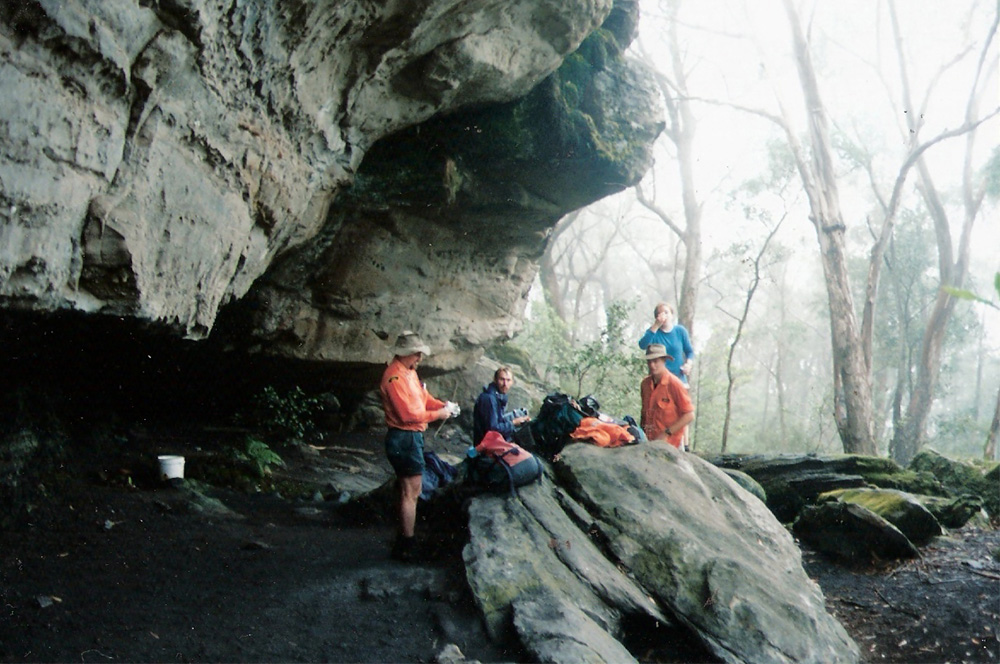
point(405, 450)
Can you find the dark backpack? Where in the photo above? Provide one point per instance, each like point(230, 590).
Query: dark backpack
point(437, 473)
point(558, 417)
point(590, 407)
point(491, 471)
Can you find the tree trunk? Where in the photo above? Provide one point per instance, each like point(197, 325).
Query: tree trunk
point(852, 382)
point(754, 282)
point(908, 439)
point(550, 285)
point(681, 126)
point(990, 452)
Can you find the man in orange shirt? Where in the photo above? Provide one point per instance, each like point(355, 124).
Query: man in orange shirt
point(408, 409)
point(666, 405)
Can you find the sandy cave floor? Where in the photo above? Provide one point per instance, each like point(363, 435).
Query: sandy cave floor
point(111, 572)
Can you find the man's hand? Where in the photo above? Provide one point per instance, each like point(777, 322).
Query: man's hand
point(659, 321)
point(452, 408)
point(522, 420)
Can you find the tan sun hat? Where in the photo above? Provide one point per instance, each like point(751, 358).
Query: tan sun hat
point(654, 351)
point(408, 343)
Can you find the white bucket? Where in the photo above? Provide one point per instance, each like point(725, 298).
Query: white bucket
point(171, 466)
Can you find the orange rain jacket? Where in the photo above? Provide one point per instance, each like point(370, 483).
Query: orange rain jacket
point(602, 434)
point(406, 402)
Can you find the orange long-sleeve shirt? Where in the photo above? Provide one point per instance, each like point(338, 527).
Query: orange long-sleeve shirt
point(406, 402)
point(662, 405)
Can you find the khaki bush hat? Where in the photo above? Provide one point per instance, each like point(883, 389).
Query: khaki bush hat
point(654, 351)
point(408, 343)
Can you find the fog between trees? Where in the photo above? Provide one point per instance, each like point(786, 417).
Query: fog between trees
point(865, 148)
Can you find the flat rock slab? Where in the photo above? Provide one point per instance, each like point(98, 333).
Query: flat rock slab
point(558, 632)
point(708, 550)
point(529, 547)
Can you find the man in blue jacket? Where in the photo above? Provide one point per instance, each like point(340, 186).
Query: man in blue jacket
point(488, 414)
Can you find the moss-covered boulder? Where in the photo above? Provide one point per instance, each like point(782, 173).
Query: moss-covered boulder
point(792, 481)
point(715, 556)
point(901, 509)
point(953, 512)
point(851, 533)
point(747, 482)
point(961, 477)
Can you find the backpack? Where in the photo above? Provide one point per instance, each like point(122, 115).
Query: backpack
point(437, 473)
point(557, 418)
point(491, 469)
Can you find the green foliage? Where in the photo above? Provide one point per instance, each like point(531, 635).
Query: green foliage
point(285, 417)
point(545, 339)
point(607, 367)
point(969, 295)
point(260, 454)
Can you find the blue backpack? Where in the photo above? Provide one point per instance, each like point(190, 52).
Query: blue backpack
point(437, 473)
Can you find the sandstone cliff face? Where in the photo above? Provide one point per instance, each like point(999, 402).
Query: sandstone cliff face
point(159, 159)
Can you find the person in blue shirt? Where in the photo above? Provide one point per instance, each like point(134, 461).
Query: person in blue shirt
point(488, 414)
point(675, 339)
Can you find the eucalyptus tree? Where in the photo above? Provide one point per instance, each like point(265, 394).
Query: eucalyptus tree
point(672, 78)
point(953, 262)
point(851, 336)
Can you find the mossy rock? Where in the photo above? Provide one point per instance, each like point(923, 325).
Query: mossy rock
point(910, 481)
point(747, 482)
point(901, 509)
point(852, 533)
point(960, 477)
point(953, 512)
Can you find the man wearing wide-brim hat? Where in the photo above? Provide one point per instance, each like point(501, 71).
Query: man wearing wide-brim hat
point(408, 408)
point(666, 405)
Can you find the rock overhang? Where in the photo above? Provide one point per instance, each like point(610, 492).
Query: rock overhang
point(278, 164)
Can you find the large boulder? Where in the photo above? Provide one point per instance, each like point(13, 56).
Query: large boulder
point(445, 222)
point(708, 551)
point(961, 477)
point(852, 533)
point(906, 512)
point(531, 549)
point(556, 631)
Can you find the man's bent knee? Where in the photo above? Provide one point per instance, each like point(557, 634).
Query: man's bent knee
point(410, 487)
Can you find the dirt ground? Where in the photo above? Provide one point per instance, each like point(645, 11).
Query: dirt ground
point(941, 607)
point(117, 566)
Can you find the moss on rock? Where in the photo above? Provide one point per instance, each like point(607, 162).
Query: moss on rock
point(960, 477)
point(953, 512)
point(747, 482)
point(897, 507)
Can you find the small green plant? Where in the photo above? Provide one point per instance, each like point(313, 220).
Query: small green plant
point(261, 455)
point(287, 417)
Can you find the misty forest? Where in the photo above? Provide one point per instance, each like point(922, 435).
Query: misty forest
point(466, 331)
point(842, 182)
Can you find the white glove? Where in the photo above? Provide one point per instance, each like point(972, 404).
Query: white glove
point(452, 408)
